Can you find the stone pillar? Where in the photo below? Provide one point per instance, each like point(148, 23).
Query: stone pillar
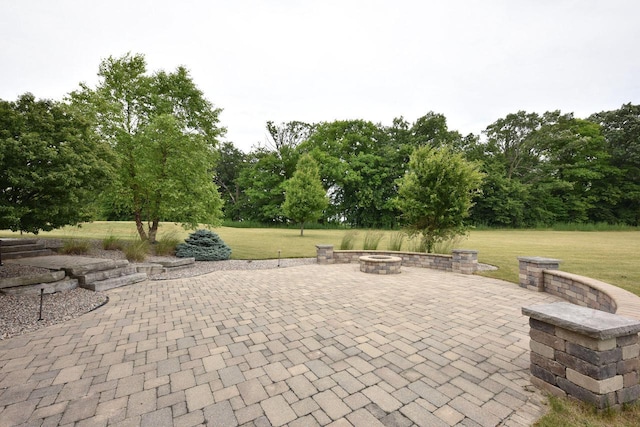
point(589, 354)
point(531, 268)
point(464, 261)
point(324, 254)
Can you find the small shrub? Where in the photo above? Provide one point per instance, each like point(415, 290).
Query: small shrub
point(166, 244)
point(204, 245)
point(112, 243)
point(372, 240)
point(75, 247)
point(348, 240)
point(396, 240)
point(136, 251)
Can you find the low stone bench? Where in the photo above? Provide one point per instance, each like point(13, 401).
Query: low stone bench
point(585, 353)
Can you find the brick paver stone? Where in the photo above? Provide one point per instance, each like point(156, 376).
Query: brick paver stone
point(300, 346)
point(252, 391)
point(331, 404)
point(198, 397)
point(278, 410)
point(220, 415)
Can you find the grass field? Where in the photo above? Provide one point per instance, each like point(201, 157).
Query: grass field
point(610, 256)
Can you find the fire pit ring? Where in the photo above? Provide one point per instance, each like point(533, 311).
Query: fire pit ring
point(380, 264)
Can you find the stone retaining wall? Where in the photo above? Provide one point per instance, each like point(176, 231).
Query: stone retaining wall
point(460, 261)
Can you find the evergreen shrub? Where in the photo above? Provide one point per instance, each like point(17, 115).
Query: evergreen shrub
point(204, 245)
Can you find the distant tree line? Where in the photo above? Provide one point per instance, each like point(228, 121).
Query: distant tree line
point(538, 169)
point(146, 147)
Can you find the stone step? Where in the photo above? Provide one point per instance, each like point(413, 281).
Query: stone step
point(25, 254)
point(21, 248)
point(49, 288)
point(107, 264)
point(13, 282)
point(176, 262)
point(97, 276)
point(116, 282)
point(17, 242)
point(150, 268)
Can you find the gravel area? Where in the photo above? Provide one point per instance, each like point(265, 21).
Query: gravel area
point(19, 313)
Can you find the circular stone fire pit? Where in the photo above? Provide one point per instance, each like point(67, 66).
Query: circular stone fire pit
point(380, 264)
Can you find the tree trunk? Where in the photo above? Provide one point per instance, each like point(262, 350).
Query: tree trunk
point(140, 226)
point(153, 231)
point(301, 229)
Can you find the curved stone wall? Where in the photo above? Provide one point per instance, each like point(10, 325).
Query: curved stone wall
point(543, 275)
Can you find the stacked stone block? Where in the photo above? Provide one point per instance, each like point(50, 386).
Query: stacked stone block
point(464, 261)
point(422, 260)
point(579, 290)
point(324, 254)
point(532, 271)
point(380, 264)
point(588, 354)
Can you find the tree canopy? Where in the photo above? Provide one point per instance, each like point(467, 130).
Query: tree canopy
point(53, 167)
point(539, 169)
point(436, 193)
point(305, 199)
point(164, 133)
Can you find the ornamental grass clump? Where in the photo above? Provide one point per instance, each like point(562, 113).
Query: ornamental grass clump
point(112, 243)
point(136, 251)
point(396, 240)
point(75, 247)
point(372, 240)
point(204, 245)
point(348, 240)
point(166, 244)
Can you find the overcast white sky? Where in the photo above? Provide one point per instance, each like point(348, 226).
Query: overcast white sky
point(284, 60)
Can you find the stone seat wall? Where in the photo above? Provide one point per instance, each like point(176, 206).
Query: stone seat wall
point(463, 261)
point(587, 348)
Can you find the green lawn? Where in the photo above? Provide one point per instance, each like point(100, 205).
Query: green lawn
point(610, 256)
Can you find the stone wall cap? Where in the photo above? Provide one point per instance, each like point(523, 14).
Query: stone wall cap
point(587, 321)
point(324, 246)
point(538, 259)
point(465, 251)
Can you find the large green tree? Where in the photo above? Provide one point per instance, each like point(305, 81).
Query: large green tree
point(621, 130)
point(230, 164)
point(358, 169)
point(305, 198)
point(575, 170)
point(436, 193)
point(267, 167)
point(52, 166)
point(164, 132)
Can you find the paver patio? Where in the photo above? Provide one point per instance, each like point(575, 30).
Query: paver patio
point(302, 346)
